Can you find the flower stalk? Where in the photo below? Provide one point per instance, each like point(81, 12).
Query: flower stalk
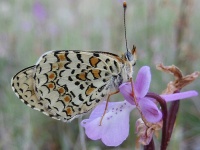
point(173, 110)
point(163, 105)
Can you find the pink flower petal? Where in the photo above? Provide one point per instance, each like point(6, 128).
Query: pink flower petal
point(126, 90)
point(92, 128)
point(116, 133)
point(142, 82)
point(115, 125)
point(150, 110)
point(99, 109)
point(179, 96)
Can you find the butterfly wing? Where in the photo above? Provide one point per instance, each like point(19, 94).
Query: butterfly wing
point(22, 84)
point(65, 84)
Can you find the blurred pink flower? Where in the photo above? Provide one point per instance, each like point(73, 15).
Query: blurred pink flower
point(39, 11)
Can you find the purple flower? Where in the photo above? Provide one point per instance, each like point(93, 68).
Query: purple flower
point(39, 11)
point(147, 105)
point(114, 128)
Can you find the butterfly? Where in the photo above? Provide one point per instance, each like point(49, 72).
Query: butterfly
point(65, 84)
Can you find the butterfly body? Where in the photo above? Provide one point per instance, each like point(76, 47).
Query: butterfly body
point(66, 83)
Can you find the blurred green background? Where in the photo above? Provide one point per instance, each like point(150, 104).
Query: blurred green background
point(166, 31)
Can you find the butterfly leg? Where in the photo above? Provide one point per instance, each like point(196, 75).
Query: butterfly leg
point(134, 97)
point(107, 105)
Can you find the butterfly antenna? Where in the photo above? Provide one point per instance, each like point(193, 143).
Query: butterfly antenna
point(125, 6)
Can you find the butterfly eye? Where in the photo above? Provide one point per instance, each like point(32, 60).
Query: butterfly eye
point(129, 56)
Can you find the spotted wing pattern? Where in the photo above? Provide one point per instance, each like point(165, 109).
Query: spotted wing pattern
point(22, 85)
point(69, 83)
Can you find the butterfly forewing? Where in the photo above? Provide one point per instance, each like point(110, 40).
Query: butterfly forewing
point(68, 83)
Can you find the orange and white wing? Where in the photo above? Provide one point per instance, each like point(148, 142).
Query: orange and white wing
point(70, 83)
point(23, 86)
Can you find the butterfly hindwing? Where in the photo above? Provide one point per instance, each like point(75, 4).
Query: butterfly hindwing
point(23, 86)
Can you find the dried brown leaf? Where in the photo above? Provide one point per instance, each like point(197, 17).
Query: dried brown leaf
point(180, 80)
point(145, 133)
